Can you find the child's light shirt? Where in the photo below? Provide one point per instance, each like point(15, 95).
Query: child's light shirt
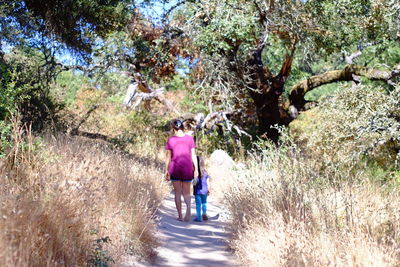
point(201, 188)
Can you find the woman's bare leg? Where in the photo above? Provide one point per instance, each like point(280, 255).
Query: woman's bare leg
point(178, 200)
point(186, 196)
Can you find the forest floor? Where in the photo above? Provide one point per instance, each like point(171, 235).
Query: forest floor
point(192, 243)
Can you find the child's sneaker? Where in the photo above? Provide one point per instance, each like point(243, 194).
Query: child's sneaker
point(205, 217)
point(197, 220)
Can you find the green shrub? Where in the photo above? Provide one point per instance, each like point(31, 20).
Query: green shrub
point(193, 104)
point(67, 85)
point(112, 83)
point(5, 137)
point(355, 125)
point(176, 83)
point(25, 87)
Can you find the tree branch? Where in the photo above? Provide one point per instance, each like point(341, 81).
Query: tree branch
point(349, 59)
point(256, 58)
point(219, 119)
point(260, 73)
point(296, 97)
point(287, 64)
point(171, 9)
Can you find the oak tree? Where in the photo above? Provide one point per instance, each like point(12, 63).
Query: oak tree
point(241, 43)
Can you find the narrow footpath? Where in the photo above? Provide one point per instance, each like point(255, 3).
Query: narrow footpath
point(193, 243)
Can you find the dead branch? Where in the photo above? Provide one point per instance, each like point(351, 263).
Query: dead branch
point(139, 97)
point(219, 119)
point(146, 92)
point(349, 59)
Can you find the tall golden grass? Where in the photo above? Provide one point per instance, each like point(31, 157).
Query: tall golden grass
point(285, 212)
point(64, 198)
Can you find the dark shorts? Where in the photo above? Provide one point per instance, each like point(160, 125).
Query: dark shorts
point(174, 179)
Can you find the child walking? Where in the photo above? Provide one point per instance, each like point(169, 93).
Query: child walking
point(201, 191)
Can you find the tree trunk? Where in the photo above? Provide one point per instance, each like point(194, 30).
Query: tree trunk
point(268, 116)
point(267, 92)
point(269, 109)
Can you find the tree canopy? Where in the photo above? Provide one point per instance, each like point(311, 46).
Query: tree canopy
point(73, 23)
point(256, 59)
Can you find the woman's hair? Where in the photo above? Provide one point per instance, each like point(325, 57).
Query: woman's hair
point(177, 125)
point(202, 165)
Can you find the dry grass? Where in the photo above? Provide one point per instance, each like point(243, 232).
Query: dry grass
point(60, 195)
point(282, 244)
point(285, 214)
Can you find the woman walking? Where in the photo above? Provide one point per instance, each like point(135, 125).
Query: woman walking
point(179, 166)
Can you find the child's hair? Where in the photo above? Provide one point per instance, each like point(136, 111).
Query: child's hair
point(202, 165)
point(189, 125)
point(177, 125)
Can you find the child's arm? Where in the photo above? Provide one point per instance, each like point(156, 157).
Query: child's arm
point(208, 184)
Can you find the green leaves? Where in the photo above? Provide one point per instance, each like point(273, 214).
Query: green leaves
point(73, 23)
point(25, 83)
point(348, 22)
point(221, 27)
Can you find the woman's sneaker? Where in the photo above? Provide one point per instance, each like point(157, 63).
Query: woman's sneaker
point(205, 217)
point(197, 220)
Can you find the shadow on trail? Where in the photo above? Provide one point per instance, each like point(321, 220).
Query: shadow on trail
point(192, 243)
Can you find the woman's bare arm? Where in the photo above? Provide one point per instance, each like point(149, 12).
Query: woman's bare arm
point(194, 160)
point(167, 162)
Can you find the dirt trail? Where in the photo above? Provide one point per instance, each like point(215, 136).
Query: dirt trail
point(193, 243)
